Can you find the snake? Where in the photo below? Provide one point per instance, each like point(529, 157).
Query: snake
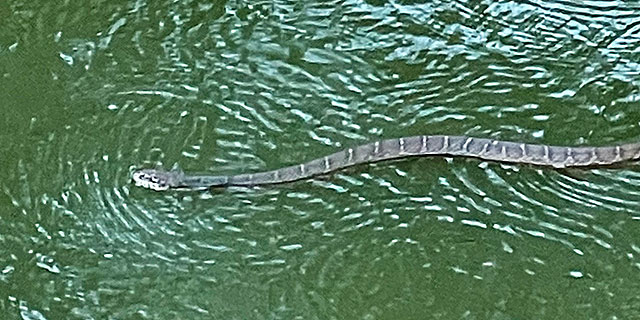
point(424, 145)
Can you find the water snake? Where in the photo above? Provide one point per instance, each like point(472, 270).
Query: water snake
point(425, 145)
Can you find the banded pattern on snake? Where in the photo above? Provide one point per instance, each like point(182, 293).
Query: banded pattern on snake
point(425, 145)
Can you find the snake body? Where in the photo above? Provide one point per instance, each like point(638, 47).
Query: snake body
point(425, 145)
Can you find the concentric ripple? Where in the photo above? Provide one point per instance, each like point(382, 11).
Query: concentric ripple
point(92, 93)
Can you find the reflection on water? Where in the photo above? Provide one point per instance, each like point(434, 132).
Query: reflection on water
point(239, 87)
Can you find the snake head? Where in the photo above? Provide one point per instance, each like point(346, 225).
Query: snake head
point(158, 180)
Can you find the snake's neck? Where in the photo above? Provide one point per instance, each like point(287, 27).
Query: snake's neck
point(203, 181)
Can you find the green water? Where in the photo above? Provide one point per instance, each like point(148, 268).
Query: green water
point(92, 90)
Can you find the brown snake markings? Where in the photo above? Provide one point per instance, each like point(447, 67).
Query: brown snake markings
point(441, 145)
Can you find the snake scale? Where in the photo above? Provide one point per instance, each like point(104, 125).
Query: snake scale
point(424, 145)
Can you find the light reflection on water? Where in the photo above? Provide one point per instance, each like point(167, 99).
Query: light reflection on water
point(249, 87)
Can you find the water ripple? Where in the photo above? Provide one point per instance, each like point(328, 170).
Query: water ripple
point(243, 87)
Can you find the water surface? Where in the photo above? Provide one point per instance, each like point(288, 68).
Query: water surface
point(92, 91)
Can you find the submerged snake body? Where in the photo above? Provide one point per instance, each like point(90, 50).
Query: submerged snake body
point(486, 149)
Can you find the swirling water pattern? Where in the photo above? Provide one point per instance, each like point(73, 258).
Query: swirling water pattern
point(92, 93)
